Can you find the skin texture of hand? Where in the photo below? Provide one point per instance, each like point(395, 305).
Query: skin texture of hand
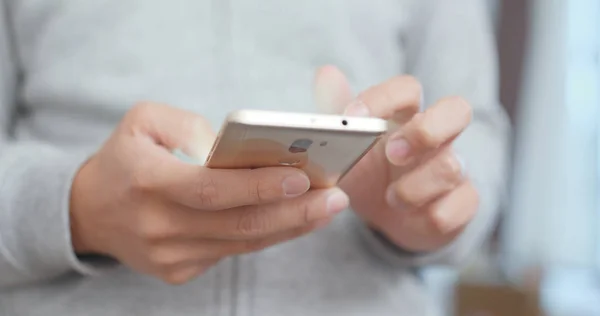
point(411, 186)
point(136, 202)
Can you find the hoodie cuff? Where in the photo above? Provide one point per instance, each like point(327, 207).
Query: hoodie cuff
point(35, 234)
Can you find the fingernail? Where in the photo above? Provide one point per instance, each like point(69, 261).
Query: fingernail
point(397, 149)
point(392, 199)
point(337, 201)
point(357, 108)
point(295, 185)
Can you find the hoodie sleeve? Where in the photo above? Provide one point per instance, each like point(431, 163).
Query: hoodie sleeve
point(450, 48)
point(35, 184)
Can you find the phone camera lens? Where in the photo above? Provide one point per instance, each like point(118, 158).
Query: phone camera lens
point(344, 122)
point(300, 145)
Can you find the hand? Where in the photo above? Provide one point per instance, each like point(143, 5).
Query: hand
point(411, 186)
point(134, 201)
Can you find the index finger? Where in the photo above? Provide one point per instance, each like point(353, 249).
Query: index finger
point(437, 126)
point(397, 99)
point(172, 128)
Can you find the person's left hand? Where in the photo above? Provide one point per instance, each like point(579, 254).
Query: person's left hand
point(411, 186)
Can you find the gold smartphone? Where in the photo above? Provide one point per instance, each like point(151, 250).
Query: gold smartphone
point(326, 147)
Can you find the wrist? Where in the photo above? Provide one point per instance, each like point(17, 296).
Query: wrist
point(400, 237)
point(79, 209)
point(412, 239)
point(385, 240)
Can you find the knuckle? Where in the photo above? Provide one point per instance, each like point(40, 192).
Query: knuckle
point(403, 192)
point(140, 180)
point(143, 175)
point(259, 189)
point(153, 227)
point(305, 213)
point(447, 167)
point(439, 223)
point(163, 257)
point(422, 133)
point(252, 223)
point(206, 190)
point(137, 118)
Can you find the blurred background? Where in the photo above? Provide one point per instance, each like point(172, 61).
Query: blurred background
point(545, 256)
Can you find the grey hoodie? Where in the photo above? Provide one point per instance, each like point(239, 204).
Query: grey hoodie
point(70, 69)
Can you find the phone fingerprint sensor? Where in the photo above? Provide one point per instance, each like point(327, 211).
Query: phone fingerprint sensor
point(289, 162)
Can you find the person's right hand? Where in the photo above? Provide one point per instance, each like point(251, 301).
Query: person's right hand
point(136, 202)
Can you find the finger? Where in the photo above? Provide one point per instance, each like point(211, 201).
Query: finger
point(213, 189)
point(172, 128)
point(397, 99)
point(454, 210)
point(221, 248)
point(441, 221)
point(331, 90)
point(189, 257)
point(429, 130)
point(255, 222)
point(427, 182)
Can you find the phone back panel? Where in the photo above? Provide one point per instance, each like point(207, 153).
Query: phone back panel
point(325, 156)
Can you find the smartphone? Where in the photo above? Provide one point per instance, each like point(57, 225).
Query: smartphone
point(326, 147)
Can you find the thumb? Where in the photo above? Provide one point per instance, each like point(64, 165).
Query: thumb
point(175, 129)
point(332, 91)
